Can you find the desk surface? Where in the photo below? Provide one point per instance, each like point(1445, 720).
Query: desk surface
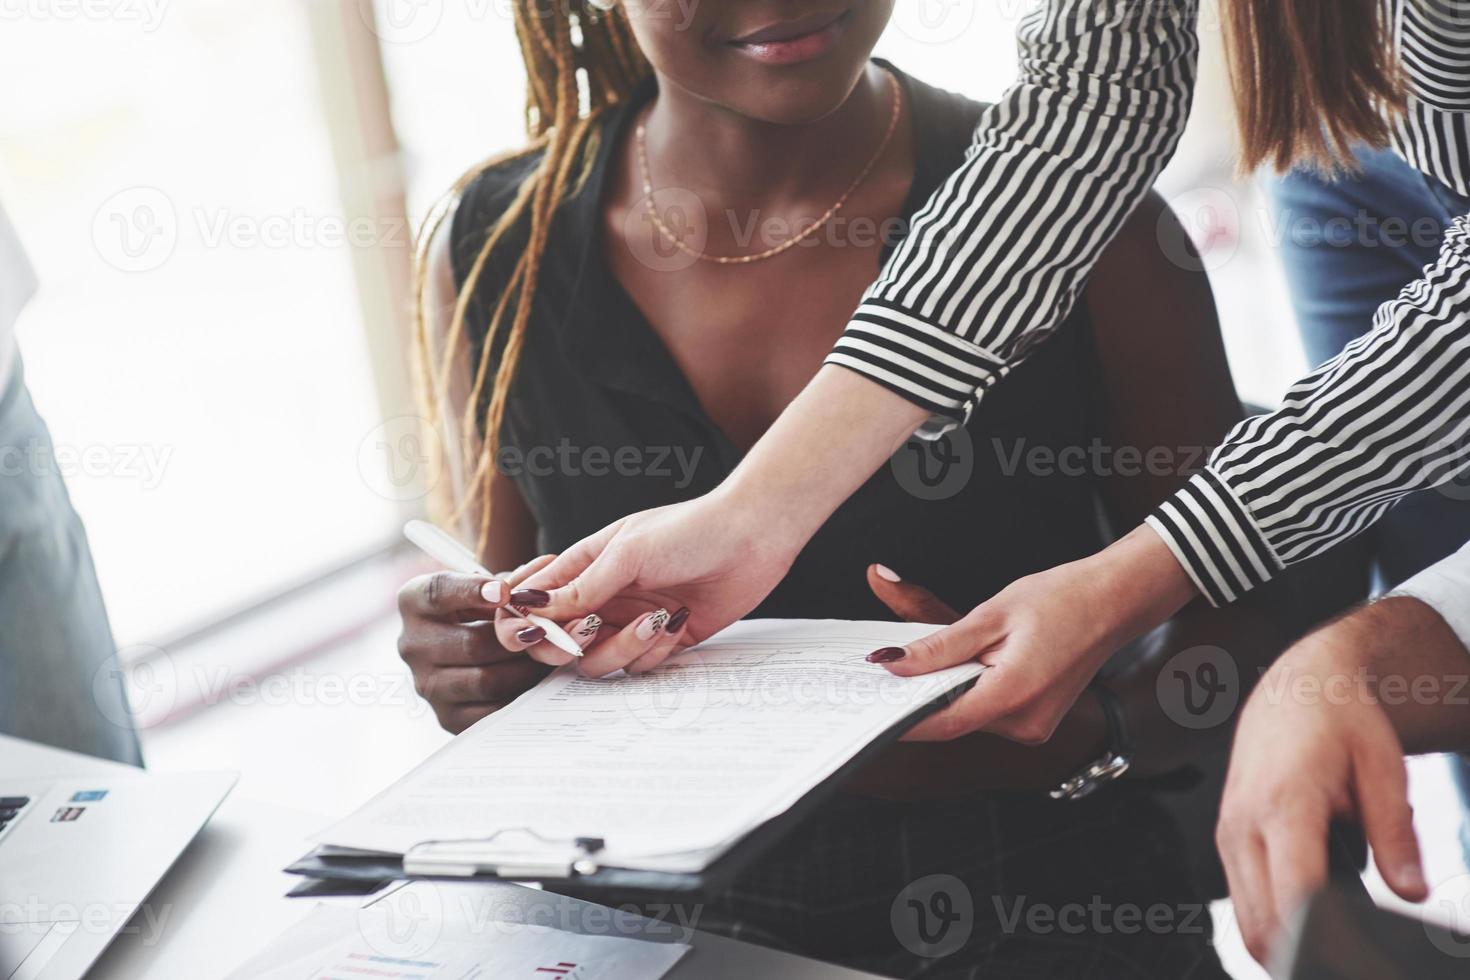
point(224, 901)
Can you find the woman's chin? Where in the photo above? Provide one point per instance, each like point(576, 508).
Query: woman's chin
point(793, 100)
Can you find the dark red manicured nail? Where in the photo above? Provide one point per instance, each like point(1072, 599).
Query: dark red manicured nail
point(677, 621)
point(530, 598)
point(887, 655)
point(531, 634)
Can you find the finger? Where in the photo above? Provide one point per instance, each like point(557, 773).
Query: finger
point(1004, 701)
point(1381, 789)
point(452, 597)
point(631, 642)
point(509, 625)
point(1229, 844)
point(525, 571)
point(455, 718)
point(623, 610)
point(488, 686)
point(560, 577)
point(457, 645)
point(1250, 893)
point(911, 603)
point(1296, 857)
point(519, 634)
point(583, 631)
point(673, 641)
point(942, 726)
point(963, 641)
point(523, 596)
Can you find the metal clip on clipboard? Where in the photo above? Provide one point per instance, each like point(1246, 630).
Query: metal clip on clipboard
point(515, 852)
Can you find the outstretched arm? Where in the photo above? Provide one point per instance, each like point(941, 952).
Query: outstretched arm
point(1388, 416)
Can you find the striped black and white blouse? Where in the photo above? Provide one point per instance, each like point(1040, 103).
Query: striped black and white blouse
point(998, 257)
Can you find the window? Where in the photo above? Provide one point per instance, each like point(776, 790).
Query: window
point(198, 347)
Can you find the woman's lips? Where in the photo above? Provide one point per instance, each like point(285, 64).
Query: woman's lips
point(793, 42)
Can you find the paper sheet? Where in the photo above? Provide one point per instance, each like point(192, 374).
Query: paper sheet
point(411, 937)
point(668, 768)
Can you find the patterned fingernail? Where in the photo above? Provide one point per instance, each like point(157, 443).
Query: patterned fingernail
point(652, 626)
point(493, 591)
point(677, 621)
point(531, 634)
point(886, 573)
point(530, 598)
point(887, 655)
point(587, 629)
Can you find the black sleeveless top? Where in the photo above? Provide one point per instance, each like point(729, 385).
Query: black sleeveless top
point(601, 423)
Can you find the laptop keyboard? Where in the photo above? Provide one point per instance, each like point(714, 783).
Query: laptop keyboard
point(11, 807)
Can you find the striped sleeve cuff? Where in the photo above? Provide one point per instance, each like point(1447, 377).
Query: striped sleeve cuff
point(1213, 536)
point(925, 364)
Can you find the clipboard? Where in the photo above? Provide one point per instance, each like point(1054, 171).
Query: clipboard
point(1341, 934)
point(521, 854)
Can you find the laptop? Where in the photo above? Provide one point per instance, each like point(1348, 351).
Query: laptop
point(80, 852)
point(1342, 935)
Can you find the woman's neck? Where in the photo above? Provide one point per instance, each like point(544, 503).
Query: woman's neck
point(734, 161)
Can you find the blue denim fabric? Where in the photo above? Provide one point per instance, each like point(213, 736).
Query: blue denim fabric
point(1348, 247)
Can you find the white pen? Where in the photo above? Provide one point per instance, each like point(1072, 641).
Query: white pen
point(438, 545)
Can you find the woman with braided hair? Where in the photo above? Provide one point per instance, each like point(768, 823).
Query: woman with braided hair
point(613, 315)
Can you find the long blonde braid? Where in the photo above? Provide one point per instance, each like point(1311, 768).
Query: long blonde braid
point(580, 61)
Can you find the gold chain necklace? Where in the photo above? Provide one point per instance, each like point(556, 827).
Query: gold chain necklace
point(678, 242)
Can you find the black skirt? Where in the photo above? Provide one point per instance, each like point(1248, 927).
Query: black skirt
point(999, 886)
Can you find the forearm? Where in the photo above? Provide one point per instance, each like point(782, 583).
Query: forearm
point(1383, 419)
point(842, 427)
point(832, 437)
point(1145, 585)
point(1397, 653)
